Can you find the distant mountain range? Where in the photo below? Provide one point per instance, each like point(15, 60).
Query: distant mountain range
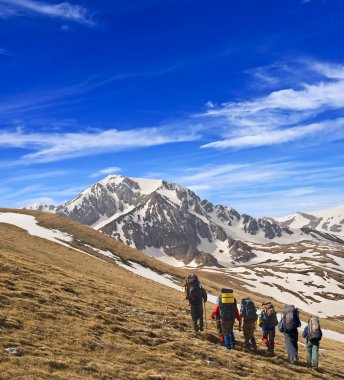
point(329, 221)
point(175, 225)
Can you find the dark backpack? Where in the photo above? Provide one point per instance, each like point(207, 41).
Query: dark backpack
point(314, 330)
point(227, 304)
point(194, 290)
point(248, 310)
point(290, 318)
point(269, 318)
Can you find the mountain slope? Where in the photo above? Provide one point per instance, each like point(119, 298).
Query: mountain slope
point(172, 223)
point(120, 326)
point(330, 220)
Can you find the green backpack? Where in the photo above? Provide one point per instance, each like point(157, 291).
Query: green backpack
point(227, 304)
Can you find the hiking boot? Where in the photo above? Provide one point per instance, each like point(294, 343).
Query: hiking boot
point(201, 328)
point(268, 345)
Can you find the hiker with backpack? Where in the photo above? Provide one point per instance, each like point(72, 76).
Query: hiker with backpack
point(288, 325)
point(313, 334)
point(226, 309)
point(248, 313)
point(267, 320)
point(196, 295)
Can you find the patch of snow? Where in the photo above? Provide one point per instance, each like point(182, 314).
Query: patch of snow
point(171, 195)
point(30, 224)
point(150, 275)
point(161, 256)
point(193, 264)
point(147, 186)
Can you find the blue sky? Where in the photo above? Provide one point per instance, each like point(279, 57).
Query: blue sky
point(242, 101)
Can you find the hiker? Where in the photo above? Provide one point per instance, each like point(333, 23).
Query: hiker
point(248, 314)
point(195, 294)
point(267, 320)
point(226, 309)
point(313, 334)
point(288, 325)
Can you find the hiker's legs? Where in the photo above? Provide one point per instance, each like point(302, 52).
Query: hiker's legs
point(309, 347)
point(248, 330)
point(265, 339)
point(232, 339)
point(194, 316)
point(269, 340)
point(315, 355)
point(219, 330)
point(231, 334)
point(197, 315)
point(227, 330)
point(295, 342)
point(227, 342)
point(253, 342)
point(290, 346)
point(271, 337)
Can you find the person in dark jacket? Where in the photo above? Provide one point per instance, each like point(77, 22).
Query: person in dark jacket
point(288, 325)
point(196, 295)
point(312, 346)
point(267, 320)
point(227, 325)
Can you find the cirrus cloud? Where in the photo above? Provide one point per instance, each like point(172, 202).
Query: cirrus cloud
point(64, 10)
point(51, 147)
point(284, 115)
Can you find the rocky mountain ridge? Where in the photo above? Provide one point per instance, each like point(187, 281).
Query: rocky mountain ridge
point(172, 223)
point(329, 220)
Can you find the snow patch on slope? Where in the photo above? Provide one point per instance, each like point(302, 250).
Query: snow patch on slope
point(30, 224)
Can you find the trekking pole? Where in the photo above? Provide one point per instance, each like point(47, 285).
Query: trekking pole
point(205, 319)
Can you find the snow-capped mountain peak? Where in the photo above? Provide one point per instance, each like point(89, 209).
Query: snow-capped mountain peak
point(171, 222)
point(329, 220)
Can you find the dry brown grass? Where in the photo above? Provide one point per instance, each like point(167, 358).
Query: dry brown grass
point(74, 317)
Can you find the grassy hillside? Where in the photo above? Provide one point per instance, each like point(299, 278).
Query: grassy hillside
point(72, 316)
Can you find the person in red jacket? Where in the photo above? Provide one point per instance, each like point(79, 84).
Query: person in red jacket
point(227, 315)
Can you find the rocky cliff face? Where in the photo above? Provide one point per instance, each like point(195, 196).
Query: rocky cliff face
point(171, 222)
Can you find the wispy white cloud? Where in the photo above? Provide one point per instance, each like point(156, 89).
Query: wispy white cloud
point(266, 173)
point(7, 12)
point(45, 98)
point(210, 172)
point(49, 147)
point(4, 52)
point(38, 192)
point(276, 187)
point(283, 115)
point(279, 136)
point(35, 176)
point(64, 10)
point(106, 171)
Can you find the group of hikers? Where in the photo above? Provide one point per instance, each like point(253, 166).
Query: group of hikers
point(226, 312)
